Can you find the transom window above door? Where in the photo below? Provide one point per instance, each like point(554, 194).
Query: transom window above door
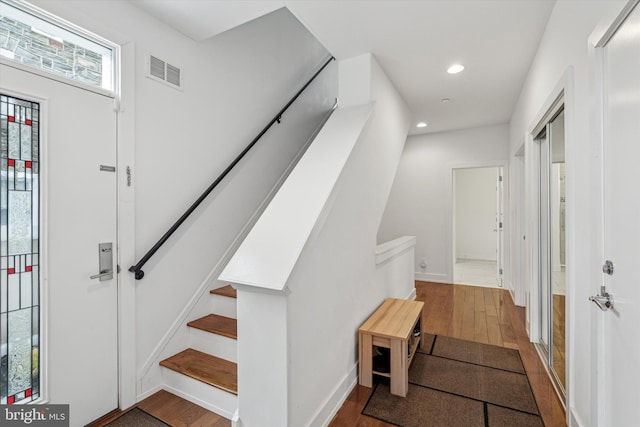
point(36, 39)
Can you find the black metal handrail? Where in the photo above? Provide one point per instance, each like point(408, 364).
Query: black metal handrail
point(137, 269)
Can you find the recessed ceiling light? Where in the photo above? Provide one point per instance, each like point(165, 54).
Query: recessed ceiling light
point(445, 100)
point(421, 125)
point(455, 69)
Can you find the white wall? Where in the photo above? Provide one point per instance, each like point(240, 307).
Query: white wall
point(475, 209)
point(333, 288)
point(420, 203)
point(564, 45)
point(234, 84)
point(228, 105)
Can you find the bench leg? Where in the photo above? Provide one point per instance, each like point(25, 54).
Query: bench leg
point(366, 360)
point(399, 370)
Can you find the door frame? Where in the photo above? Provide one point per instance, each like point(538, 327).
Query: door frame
point(125, 166)
point(597, 42)
point(450, 243)
point(517, 283)
point(564, 92)
point(125, 199)
point(125, 76)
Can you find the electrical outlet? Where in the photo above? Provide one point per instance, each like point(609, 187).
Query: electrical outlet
point(423, 263)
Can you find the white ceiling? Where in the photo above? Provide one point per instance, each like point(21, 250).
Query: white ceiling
point(414, 41)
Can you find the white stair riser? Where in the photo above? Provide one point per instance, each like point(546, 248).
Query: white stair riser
point(214, 344)
point(224, 306)
point(209, 397)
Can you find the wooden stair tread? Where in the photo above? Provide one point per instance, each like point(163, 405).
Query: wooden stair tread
point(203, 367)
point(215, 324)
point(225, 291)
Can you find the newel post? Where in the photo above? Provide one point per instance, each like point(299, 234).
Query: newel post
point(263, 356)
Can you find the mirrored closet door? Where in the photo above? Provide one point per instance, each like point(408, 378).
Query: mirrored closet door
point(552, 254)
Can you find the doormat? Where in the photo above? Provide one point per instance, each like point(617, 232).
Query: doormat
point(460, 383)
point(136, 417)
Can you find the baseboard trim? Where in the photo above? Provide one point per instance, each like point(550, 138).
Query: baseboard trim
point(335, 400)
point(412, 295)
point(235, 421)
point(511, 289)
point(148, 393)
point(574, 419)
point(432, 277)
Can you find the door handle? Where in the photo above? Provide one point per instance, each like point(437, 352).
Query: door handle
point(102, 274)
point(105, 262)
point(604, 301)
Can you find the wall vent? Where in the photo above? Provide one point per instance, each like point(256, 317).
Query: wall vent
point(159, 70)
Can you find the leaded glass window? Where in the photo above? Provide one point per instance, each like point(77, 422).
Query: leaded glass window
point(19, 250)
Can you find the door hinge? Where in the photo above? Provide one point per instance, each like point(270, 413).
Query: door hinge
point(500, 178)
point(500, 272)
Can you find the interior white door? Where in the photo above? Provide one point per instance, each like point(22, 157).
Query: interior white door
point(621, 341)
point(80, 365)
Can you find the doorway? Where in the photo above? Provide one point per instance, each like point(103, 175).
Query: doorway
point(477, 226)
point(552, 265)
point(78, 308)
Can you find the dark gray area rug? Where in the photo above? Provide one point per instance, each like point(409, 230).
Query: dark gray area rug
point(481, 354)
point(136, 417)
point(455, 382)
point(424, 407)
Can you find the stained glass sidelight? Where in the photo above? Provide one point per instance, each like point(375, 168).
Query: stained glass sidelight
point(19, 250)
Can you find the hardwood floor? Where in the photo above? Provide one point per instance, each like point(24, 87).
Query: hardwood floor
point(477, 314)
point(176, 411)
point(173, 410)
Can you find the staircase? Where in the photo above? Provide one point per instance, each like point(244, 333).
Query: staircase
point(206, 373)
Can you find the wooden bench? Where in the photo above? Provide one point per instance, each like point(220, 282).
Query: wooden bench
point(391, 326)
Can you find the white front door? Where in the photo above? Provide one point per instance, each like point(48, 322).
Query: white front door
point(79, 365)
point(619, 368)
